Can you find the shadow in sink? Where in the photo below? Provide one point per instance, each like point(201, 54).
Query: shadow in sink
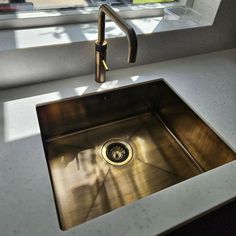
point(109, 149)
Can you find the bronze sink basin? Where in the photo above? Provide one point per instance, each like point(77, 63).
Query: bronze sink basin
point(112, 148)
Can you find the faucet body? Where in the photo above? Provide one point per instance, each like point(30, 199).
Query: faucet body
point(101, 44)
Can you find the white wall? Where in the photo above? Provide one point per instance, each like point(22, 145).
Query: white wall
point(208, 8)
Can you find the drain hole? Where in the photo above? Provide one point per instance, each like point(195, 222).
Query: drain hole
point(117, 152)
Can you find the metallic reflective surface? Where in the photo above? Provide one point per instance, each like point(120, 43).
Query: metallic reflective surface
point(117, 152)
point(169, 143)
point(101, 45)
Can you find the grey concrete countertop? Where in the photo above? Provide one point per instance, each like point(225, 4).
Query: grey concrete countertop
point(206, 82)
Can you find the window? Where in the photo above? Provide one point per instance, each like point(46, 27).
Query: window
point(32, 13)
point(34, 5)
point(37, 13)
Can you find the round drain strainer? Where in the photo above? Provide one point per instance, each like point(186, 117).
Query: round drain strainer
point(117, 152)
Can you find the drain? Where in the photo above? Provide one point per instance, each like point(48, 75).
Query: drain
point(117, 152)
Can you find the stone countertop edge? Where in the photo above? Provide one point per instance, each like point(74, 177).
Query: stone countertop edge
point(207, 83)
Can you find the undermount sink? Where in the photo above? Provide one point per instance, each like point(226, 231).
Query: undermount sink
point(112, 148)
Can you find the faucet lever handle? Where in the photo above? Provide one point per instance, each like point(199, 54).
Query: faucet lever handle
point(105, 65)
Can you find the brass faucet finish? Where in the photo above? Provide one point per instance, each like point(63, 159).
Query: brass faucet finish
point(112, 148)
point(101, 44)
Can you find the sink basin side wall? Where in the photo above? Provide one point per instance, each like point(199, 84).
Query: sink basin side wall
point(201, 141)
point(74, 115)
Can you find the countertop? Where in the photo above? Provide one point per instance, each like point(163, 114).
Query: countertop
point(207, 83)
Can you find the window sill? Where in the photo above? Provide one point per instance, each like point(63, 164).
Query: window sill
point(84, 32)
point(41, 18)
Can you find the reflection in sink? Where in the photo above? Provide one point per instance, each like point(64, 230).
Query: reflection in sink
point(109, 149)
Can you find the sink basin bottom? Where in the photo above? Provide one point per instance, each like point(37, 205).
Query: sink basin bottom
point(87, 186)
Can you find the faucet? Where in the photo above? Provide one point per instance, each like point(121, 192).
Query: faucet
point(101, 44)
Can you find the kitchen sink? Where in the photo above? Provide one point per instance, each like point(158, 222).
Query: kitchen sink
point(111, 148)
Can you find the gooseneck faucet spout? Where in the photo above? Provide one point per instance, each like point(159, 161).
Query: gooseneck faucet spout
point(101, 44)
